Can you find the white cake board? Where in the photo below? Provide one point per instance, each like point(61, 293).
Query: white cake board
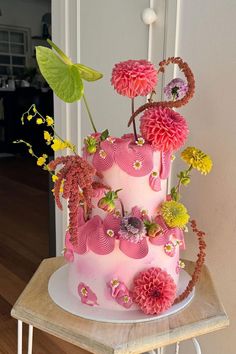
point(59, 292)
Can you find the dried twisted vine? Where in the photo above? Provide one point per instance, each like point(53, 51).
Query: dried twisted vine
point(171, 104)
point(199, 263)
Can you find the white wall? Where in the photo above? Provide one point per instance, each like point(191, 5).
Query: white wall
point(109, 33)
point(207, 43)
point(24, 13)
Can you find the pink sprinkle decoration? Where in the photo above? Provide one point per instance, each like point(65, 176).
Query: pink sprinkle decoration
point(87, 296)
point(163, 128)
point(133, 78)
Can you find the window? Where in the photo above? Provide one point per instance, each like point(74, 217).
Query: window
point(14, 50)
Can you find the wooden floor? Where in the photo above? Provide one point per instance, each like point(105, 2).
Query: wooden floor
point(24, 235)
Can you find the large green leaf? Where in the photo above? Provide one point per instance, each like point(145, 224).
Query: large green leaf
point(87, 73)
point(64, 79)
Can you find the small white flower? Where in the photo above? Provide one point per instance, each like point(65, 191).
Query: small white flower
point(102, 154)
point(110, 139)
point(186, 228)
point(110, 233)
point(181, 264)
point(140, 141)
point(137, 165)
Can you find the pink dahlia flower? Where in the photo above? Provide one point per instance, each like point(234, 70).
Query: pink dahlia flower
point(163, 128)
point(134, 78)
point(154, 291)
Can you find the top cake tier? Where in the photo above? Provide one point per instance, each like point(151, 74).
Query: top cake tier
point(133, 168)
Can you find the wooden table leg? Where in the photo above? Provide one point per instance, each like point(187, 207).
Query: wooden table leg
point(30, 339)
point(19, 337)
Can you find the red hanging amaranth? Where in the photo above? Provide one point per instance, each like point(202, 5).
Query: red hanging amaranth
point(76, 178)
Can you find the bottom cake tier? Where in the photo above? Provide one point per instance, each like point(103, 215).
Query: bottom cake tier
point(107, 281)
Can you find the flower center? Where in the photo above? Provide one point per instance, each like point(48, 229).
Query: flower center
point(156, 293)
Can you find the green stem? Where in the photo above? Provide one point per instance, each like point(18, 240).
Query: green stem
point(89, 114)
point(65, 58)
point(134, 124)
point(180, 179)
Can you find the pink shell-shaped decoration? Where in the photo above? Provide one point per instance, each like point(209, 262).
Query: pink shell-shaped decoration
point(98, 241)
point(83, 233)
point(134, 250)
point(154, 181)
point(112, 222)
point(165, 164)
point(103, 158)
point(135, 160)
point(87, 296)
point(92, 236)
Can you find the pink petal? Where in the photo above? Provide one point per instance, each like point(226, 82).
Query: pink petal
point(112, 222)
point(179, 235)
point(160, 240)
point(155, 183)
point(98, 241)
point(100, 163)
point(90, 298)
point(165, 164)
point(134, 250)
point(127, 154)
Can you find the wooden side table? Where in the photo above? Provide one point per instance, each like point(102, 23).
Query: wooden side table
point(34, 307)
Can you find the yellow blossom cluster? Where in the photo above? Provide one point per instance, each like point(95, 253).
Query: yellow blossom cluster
point(42, 159)
point(197, 159)
point(174, 213)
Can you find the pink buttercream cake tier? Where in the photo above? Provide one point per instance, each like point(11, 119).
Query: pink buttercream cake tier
point(96, 272)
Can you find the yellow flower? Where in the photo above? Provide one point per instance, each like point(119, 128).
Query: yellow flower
point(47, 136)
point(197, 159)
point(39, 121)
point(49, 121)
point(41, 160)
point(54, 178)
point(29, 117)
point(69, 145)
point(31, 151)
point(175, 214)
point(34, 109)
point(58, 145)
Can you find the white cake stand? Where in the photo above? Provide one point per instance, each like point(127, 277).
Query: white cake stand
point(58, 291)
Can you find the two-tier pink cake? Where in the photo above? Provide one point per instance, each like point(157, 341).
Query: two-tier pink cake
point(125, 230)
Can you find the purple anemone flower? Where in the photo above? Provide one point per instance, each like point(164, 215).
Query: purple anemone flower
point(132, 229)
point(176, 89)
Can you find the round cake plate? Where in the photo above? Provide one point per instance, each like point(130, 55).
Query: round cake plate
point(59, 292)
